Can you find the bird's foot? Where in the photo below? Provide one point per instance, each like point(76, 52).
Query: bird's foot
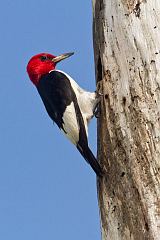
point(99, 95)
point(99, 90)
point(97, 110)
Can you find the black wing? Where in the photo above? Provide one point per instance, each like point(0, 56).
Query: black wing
point(56, 93)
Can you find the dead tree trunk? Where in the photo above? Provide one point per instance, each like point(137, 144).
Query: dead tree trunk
point(127, 58)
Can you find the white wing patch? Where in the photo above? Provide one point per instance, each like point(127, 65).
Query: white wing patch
point(86, 100)
point(70, 124)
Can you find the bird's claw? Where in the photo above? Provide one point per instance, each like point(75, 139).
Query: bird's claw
point(97, 110)
point(99, 90)
point(99, 94)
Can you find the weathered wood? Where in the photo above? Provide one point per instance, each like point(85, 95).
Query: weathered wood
point(126, 37)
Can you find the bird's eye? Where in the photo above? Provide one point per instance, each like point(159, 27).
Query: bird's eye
point(43, 58)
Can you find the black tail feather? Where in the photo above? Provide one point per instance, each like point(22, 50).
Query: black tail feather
point(90, 158)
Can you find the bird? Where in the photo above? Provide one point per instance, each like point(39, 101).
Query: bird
point(67, 104)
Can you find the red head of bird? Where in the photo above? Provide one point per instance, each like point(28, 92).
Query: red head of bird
point(42, 64)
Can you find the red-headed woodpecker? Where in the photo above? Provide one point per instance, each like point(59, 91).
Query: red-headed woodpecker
point(68, 105)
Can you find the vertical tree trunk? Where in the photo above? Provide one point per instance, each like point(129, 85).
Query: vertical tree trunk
point(127, 59)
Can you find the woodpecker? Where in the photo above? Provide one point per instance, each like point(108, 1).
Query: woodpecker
point(67, 104)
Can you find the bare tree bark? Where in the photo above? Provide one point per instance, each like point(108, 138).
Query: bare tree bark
point(127, 58)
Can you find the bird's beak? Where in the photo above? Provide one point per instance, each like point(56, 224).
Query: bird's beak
point(62, 57)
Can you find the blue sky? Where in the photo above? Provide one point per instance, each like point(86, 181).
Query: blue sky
point(47, 191)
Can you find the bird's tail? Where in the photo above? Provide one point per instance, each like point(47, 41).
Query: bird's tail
point(90, 158)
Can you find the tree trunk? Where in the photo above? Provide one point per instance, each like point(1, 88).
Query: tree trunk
point(127, 59)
